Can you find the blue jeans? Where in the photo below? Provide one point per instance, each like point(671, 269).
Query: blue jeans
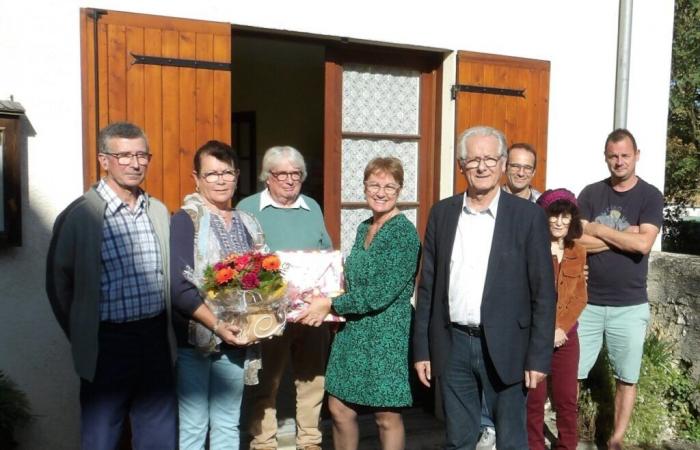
point(209, 391)
point(470, 377)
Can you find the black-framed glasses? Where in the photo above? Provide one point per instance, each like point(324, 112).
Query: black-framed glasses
point(283, 176)
point(124, 158)
point(514, 167)
point(389, 189)
point(227, 175)
point(489, 162)
point(566, 220)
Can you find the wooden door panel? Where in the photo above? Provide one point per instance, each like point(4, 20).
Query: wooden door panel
point(178, 107)
point(522, 119)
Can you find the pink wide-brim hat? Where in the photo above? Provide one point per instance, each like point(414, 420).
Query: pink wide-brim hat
point(552, 195)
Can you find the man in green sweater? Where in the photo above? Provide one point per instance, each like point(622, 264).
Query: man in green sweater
point(291, 221)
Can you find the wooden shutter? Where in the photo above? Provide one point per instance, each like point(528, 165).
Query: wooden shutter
point(521, 118)
point(179, 107)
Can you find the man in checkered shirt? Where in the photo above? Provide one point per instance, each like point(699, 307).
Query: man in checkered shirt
point(107, 280)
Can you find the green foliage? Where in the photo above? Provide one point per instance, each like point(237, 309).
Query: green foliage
point(663, 409)
point(14, 411)
point(684, 105)
point(683, 144)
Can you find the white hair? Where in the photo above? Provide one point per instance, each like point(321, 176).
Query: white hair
point(276, 155)
point(480, 130)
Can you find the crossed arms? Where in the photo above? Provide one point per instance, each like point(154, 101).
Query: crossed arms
point(635, 239)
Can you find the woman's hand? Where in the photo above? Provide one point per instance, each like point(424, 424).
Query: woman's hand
point(318, 309)
point(228, 333)
point(559, 337)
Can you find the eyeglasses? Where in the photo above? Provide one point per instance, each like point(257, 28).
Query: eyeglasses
point(124, 159)
point(282, 176)
point(512, 167)
point(489, 162)
point(389, 189)
point(227, 175)
point(566, 220)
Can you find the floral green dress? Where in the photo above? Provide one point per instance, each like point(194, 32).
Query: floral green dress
point(369, 359)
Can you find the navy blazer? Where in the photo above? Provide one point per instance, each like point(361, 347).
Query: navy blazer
point(518, 307)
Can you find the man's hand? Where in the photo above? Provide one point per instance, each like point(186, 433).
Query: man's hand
point(533, 377)
point(423, 370)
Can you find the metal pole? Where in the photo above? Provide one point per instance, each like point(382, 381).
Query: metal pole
point(622, 78)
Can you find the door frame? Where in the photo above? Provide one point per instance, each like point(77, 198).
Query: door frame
point(429, 63)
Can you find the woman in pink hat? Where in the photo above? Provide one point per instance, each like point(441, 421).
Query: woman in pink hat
point(568, 260)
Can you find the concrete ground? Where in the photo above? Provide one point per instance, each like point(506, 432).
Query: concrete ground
point(423, 432)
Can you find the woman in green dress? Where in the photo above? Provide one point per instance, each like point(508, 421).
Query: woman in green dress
point(368, 366)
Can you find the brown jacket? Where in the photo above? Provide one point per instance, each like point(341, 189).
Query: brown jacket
point(570, 285)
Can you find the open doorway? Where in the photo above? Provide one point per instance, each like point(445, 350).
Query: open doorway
point(277, 99)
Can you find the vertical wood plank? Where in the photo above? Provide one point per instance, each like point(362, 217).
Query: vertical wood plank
point(135, 88)
point(134, 78)
point(510, 79)
point(499, 101)
point(153, 112)
point(188, 113)
point(222, 91)
point(87, 73)
point(104, 84)
point(488, 116)
point(331, 148)
point(170, 93)
point(116, 74)
point(204, 92)
point(476, 101)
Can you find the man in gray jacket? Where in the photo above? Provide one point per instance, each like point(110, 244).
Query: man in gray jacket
point(107, 281)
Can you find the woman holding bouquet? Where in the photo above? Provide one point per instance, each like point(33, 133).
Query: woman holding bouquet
point(368, 366)
point(568, 259)
point(203, 232)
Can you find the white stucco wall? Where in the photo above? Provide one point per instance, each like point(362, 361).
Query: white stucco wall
point(39, 44)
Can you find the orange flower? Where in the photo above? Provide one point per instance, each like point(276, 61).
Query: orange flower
point(271, 262)
point(224, 275)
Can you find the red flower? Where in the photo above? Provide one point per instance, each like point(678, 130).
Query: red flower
point(240, 262)
point(250, 281)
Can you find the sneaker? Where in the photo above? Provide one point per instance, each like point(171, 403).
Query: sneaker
point(487, 440)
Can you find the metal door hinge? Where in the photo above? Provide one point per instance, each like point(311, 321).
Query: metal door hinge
point(486, 90)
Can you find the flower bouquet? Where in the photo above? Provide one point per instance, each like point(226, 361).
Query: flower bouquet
point(246, 290)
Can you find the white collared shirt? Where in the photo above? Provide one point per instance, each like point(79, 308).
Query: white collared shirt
point(267, 200)
point(469, 261)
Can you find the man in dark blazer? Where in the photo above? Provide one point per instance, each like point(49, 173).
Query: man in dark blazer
point(486, 301)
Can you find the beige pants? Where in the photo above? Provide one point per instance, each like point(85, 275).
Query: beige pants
point(308, 349)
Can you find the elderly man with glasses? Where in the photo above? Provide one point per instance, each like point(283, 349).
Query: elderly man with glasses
point(290, 221)
point(107, 280)
point(520, 169)
point(485, 306)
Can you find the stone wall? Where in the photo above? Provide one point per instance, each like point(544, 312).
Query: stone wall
point(674, 296)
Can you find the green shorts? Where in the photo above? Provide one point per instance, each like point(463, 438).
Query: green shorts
point(624, 328)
